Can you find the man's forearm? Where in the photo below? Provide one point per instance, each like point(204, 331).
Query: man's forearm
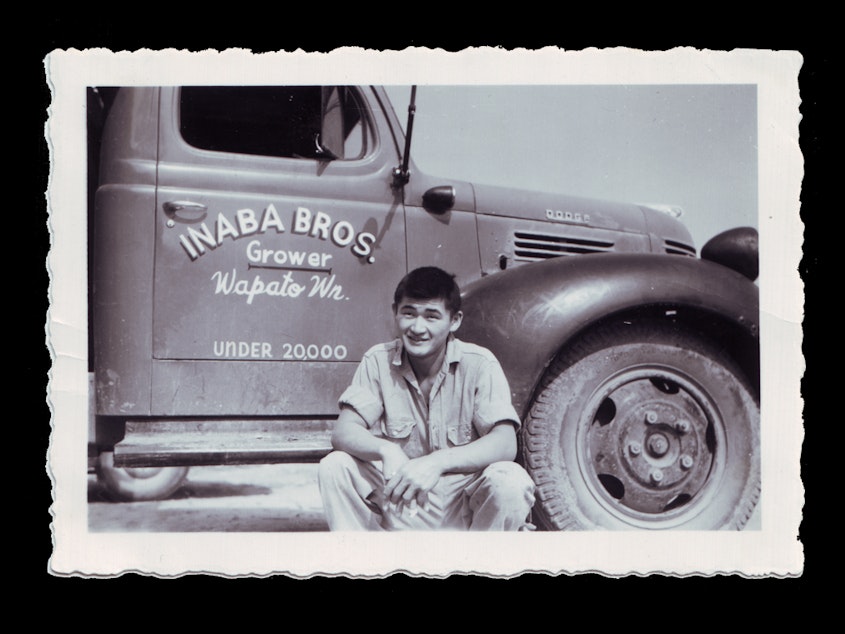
point(497, 445)
point(353, 438)
point(418, 476)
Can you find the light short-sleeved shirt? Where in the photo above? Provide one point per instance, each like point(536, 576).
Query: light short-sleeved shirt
point(469, 396)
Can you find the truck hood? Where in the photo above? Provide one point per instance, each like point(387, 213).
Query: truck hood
point(517, 203)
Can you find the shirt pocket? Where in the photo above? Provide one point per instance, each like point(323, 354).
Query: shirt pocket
point(398, 428)
point(460, 434)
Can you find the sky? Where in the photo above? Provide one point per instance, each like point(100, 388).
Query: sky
point(693, 146)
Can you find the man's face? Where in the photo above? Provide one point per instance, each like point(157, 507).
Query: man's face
point(425, 325)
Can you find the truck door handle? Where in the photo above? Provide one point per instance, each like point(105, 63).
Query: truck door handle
point(184, 210)
point(173, 206)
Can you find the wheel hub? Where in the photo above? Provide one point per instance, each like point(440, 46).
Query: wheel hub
point(657, 448)
point(648, 447)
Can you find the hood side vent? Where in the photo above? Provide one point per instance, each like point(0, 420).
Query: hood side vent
point(537, 246)
point(673, 247)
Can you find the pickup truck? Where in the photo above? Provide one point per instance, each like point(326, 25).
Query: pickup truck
point(245, 242)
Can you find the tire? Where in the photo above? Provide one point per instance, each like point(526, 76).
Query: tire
point(643, 427)
point(137, 484)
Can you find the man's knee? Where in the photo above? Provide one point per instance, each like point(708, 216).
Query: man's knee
point(508, 483)
point(334, 466)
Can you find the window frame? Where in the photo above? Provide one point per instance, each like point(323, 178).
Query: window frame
point(367, 135)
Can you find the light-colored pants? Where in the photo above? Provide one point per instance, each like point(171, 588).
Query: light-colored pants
point(499, 498)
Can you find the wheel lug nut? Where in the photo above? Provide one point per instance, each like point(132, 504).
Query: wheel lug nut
point(650, 417)
point(687, 461)
point(656, 476)
point(635, 448)
point(682, 426)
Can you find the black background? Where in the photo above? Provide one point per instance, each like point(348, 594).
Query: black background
point(534, 601)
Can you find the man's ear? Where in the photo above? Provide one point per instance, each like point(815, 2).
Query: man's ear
point(457, 318)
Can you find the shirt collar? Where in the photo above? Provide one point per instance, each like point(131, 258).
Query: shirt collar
point(453, 351)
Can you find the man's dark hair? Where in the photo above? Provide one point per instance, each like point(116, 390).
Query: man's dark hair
point(429, 282)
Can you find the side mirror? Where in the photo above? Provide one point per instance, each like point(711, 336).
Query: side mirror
point(330, 143)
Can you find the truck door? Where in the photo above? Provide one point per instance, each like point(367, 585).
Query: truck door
point(278, 245)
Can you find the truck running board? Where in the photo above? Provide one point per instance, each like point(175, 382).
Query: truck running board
point(222, 442)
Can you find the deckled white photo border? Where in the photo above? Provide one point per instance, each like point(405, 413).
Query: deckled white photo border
point(774, 550)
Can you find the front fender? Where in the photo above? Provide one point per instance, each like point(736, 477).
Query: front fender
point(525, 315)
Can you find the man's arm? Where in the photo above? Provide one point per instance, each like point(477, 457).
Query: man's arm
point(351, 435)
point(418, 476)
point(499, 444)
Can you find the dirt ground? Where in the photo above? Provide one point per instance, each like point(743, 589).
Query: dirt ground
point(263, 498)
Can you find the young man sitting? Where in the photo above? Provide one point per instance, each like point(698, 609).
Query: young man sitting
point(426, 435)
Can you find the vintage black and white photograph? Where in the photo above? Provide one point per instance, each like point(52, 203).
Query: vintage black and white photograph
point(307, 321)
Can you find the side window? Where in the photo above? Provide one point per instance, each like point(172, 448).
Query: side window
point(282, 121)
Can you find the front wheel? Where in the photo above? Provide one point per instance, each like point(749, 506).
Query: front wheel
point(137, 484)
point(644, 426)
